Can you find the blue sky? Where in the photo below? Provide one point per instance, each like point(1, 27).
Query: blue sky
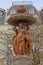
point(7, 3)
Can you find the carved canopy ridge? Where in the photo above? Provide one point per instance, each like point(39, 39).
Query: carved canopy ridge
point(19, 18)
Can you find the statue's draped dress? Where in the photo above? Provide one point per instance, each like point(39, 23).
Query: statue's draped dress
point(22, 43)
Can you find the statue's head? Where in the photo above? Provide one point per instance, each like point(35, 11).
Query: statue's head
point(21, 27)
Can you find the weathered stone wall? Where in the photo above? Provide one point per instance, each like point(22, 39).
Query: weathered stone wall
point(5, 40)
point(37, 37)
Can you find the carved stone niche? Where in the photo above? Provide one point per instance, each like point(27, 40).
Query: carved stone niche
point(23, 60)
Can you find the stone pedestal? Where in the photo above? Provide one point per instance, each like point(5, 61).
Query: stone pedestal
point(23, 60)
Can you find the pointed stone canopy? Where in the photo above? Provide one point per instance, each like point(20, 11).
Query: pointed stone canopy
point(15, 19)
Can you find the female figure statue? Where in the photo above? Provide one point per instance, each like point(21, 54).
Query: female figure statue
point(22, 43)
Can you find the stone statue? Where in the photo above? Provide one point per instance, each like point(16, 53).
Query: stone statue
point(22, 42)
